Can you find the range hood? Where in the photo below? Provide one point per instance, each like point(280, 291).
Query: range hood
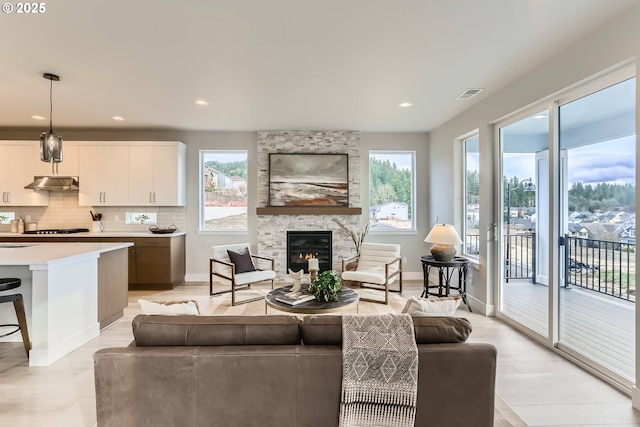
point(54, 183)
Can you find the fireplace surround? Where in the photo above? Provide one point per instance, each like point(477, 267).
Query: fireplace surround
point(302, 245)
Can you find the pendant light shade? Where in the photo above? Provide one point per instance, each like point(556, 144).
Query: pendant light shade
point(50, 142)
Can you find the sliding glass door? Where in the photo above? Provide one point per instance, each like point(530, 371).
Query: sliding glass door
point(524, 221)
point(597, 291)
point(566, 223)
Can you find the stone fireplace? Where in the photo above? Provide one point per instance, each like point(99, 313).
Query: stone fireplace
point(302, 245)
point(272, 235)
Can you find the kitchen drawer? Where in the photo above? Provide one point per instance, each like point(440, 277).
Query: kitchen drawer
point(154, 242)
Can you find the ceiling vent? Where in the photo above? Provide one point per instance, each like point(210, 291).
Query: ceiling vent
point(468, 94)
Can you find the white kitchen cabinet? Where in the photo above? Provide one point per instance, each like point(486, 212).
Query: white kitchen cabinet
point(103, 175)
point(157, 174)
point(18, 162)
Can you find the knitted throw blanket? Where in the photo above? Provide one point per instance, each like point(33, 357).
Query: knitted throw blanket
point(379, 371)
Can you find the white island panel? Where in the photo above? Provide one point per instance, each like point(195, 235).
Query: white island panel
point(60, 289)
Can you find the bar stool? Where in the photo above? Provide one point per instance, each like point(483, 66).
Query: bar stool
point(18, 304)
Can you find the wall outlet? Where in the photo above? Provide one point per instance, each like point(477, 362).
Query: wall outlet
point(404, 259)
point(173, 218)
point(116, 218)
point(435, 218)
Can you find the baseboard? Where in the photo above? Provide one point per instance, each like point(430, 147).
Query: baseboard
point(635, 398)
point(481, 307)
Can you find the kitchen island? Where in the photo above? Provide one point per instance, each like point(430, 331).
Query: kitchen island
point(156, 261)
point(70, 291)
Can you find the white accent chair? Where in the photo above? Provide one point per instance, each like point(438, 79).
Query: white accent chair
point(224, 270)
point(378, 266)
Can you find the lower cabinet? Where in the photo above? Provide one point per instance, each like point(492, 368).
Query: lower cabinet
point(155, 262)
point(112, 286)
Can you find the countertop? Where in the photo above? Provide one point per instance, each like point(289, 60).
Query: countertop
point(36, 254)
point(94, 235)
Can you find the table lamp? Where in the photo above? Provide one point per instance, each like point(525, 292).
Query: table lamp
point(444, 236)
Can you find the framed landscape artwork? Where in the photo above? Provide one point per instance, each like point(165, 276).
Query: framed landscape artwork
point(308, 179)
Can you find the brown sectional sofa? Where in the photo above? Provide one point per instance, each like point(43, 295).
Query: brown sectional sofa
point(276, 371)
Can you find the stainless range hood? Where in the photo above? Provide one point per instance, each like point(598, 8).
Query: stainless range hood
point(54, 183)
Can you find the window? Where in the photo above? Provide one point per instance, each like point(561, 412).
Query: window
point(471, 205)
point(392, 191)
point(223, 186)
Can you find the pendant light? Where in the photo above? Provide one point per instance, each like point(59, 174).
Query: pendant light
point(50, 142)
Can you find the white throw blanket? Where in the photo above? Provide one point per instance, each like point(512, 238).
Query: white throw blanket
point(379, 371)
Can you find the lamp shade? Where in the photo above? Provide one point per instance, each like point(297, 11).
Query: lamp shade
point(444, 236)
point(50, 147)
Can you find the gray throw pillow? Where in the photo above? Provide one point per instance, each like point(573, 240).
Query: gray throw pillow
point(242, 260)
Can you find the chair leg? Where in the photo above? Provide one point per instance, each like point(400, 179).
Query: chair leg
point(18, 305)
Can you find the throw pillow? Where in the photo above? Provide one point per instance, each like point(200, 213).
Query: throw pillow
point(432, 306)
point(169, 308)
point(242, 260)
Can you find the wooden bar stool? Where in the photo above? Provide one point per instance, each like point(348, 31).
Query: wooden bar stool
point(18, 304)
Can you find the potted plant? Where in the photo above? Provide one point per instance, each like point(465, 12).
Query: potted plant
point(326, 286)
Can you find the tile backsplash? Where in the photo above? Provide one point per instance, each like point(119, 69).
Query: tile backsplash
point(63, 212)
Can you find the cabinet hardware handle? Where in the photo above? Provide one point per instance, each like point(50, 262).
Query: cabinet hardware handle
point(154, 197)
point(150, 197)
point(8, 196)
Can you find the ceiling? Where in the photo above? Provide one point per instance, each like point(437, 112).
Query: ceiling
point(277, 64)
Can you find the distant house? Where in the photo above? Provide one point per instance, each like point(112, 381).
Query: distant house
point(578, 230)
point(390, 210)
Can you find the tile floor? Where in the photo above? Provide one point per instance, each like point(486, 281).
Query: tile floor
point(540, 386)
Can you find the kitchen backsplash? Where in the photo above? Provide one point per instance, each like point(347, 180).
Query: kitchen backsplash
point(63, 212)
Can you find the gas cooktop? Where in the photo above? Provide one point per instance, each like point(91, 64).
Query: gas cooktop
point(58, 231)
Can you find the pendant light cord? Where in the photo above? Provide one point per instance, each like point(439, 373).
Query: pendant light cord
point(50, 105)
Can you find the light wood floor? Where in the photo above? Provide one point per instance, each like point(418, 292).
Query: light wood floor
point(541, 387)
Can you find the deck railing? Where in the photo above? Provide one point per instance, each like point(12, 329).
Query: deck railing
point(601, 266)
point(520, 256)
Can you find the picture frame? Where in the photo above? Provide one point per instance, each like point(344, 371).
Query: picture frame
point(302, 179)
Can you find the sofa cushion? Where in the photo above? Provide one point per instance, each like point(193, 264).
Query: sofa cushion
point(327, 330)
point(432, 306)
point(169, 308)
point(152, 330)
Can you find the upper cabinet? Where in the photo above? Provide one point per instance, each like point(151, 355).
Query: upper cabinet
point(103, 175)
point(157, 174)
point(18, 161)
point(132, 174)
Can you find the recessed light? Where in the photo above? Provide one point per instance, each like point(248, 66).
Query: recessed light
point(405, 104)
point(37, 117)
point(118, 118)
point(202, 102)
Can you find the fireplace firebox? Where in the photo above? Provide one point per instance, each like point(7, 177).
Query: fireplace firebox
point(302, 245)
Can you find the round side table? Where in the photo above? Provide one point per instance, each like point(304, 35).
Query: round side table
point(446, 271)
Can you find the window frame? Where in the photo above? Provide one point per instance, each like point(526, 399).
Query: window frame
point(464, 140)
point(201, 184)
point(413, 229)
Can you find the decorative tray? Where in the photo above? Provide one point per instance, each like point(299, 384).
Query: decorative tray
point(157, 230)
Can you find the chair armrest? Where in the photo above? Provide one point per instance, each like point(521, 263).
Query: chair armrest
point(229, 264)
point(347, 260)
point(388, 264)
point(266, 258)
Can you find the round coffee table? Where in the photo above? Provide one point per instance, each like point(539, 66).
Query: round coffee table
point(346, 298)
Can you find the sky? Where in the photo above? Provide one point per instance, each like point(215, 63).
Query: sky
point(612, 162)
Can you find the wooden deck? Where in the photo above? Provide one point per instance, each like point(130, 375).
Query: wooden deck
point(597, 325)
